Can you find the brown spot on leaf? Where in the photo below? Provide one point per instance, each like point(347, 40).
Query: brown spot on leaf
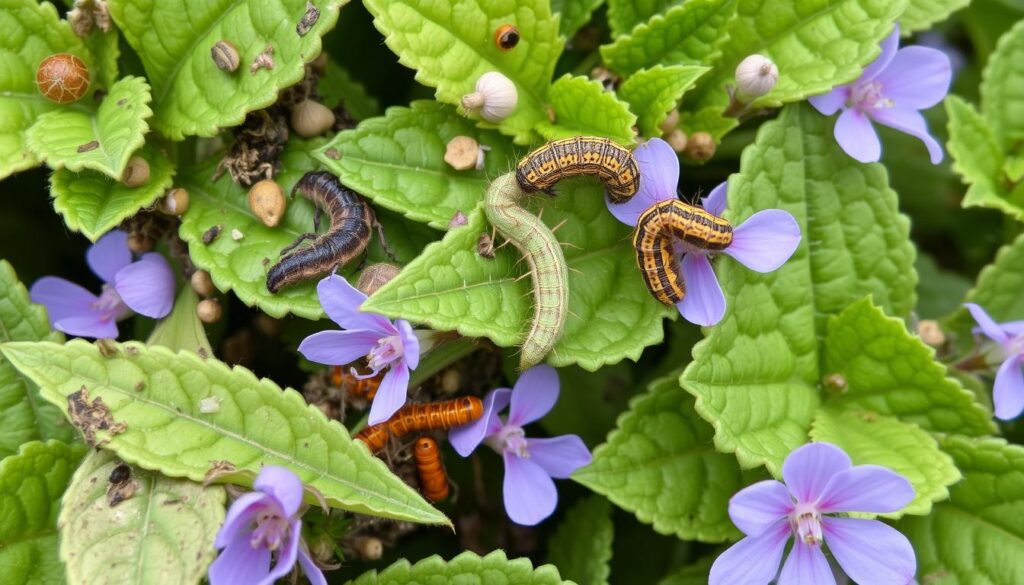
point(308, 19)
point(140, 386)
point(122, 102)
point(332, 153)
point(218, 469)
point(264, 60)
point(485, 245)
point(107, 347)
point(91, 145)
point(211, 234)
point(91, 417)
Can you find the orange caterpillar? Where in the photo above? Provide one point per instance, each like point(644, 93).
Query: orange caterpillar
point(433, 480)
point(412, 418)
point(365, 388)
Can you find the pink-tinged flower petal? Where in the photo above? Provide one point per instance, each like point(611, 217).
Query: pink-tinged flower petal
point(917, 78)
point(391, 395)
point(466, 438)
point(240, 564)
point(753, 560)
point(704, 303)
point(716, 200)
point(534, 394)
point(109, 255)
point(313, 572)
point(832, 101)
point(529, 492)
point(857, 137)
point(989, 327)
point(866, 488)
point(341, 302)
point(560, 456)
point(410, 343)
point(96, 325)
point(241, 517)
point(808, 469)
point(1008, 393)
point(806, 564)
point(62, 298)
point(286, 555)
point(283, 485)
point(910, 122)
point(147, 286)
point(659, 177)
point(870, 551)
point(1013, 328)
point(759, 506)
point(889, 50)
point(765, 241)
point(337, 348)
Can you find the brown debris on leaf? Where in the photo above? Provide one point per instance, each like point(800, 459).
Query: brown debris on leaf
point(256, 153)
point(91, 145)
point(265, 60)
point(217, 470)
point(308, 19)
point(87, 14)
point(122, 485)
point(91, 417)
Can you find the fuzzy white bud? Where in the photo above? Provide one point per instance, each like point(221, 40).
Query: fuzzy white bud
point(755, 76)
point(495, 97)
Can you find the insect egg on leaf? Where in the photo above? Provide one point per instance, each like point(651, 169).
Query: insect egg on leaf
point(506, 37)
point(62, 78)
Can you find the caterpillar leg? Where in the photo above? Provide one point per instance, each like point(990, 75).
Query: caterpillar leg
point(383, 241)
point(299, 240)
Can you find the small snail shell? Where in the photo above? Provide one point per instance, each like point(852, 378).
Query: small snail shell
point(375, 276)
point(62, 78)
point(677, 140)
point(495, 97)
point(506, 37)
point(756, 76)
point(225, 55)
point(175, 202)
point(201, 283)
point(700, 146)
point(136, 173)
point(311, 118)
point(267, 202)
point(369, 548)
point(670, 123)
point(209, 311)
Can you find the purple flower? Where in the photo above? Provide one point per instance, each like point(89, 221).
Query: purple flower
point(890, 91)
point(762, 243)
point(385, 344)
point(1008, 393)
point(145, 286)
point(260, 525)
point(820, 480)
point(530, 464)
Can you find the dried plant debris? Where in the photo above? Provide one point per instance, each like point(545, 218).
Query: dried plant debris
point(256, 152)
point(309, 19)
point(91, 417)
point(122, 485)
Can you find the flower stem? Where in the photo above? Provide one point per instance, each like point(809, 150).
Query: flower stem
point(440, 357)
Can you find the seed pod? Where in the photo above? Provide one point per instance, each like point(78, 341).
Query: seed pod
point(136, 173)
point(267, 202)
point(311, 118)
point(62, 78)
point(462, 153)
point(201, 283)
point(369, 548)
point(175, 202)
point(755, 76)
point(700, 146)
point(225, 55)
point(506, 37)
point(670, 123)
point(209, 311)
point(677, 140)
point(375, 276)
point(495, 97)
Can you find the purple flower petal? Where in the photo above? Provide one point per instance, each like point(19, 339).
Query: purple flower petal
point(832, 101)
point(759, 506)
point(286, 555)
point(313, 572)
point(391, 395)
point(765, 241)
point(857, 137)
point(870, 551)
point(917, 78)
point(337, 348)
point(559, 456)
point(465, 439)
point(240, 518)
point(96, 325)
point(806, 564)
point(1013, 328)
point(704, 303)
point(283, 485)
point(659, 177)
point(1008, 393)
point(529, 492)
point(109, 255)
point(533, 395)
point(989, 327)
point(866, 488)
point(240, 564)
point(341, 302)
point(715, 202)
point(889, 50)
point(910, 122)
point(147, 286)
point(753, 560)
point(808, 469)
point(62, 298)
point(410, 343)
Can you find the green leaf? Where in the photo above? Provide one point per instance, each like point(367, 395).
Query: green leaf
point(655, 92)
point(922, 14)
point(614, 384)
point(573, 14)
point(998, 290)
point(93, 203)
point(978, 535)
point(30, 31)
point(156, 394)
point(939, 291)
point(756, 374)
point(163, 533)
point(337, 86)
point(581, 106)
point(398, 161)
point(191, 96)
point(685, 35)
point(978, 159)
point(31, 485)
point(106, 46)
point(182, 329)
point(661, 465)
point(24, 415)
point(451, 44)
point(695, 574)
point(581, 548)
point(466, 569)
point(102, 142)
point(1000, 89)
point(451, 287)
point(623, 15)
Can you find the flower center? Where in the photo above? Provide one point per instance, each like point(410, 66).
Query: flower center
point(110, 303)
point(271, 530)
point(510, 439)
point(868, 96)
point(805, 521)
point(387, 351)
point(1015, 346)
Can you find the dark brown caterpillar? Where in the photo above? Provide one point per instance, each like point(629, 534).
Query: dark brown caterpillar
point(412, 418)
point(657, 229)
point(351, 219)
point(430, 467)
point(581, 155)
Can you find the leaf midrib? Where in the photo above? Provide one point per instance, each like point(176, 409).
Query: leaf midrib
point(185, 57)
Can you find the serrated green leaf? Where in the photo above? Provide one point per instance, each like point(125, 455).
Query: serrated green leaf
point(756, 374)
point(24, 415)
point(939, 291)
point(661, 465)
point(451, 44)
point(466, 569)
point(106, 48)
point(1013, 168)
point(653, 93)
point(922, 14)
point(978, 159)
point(685, 35)
point(581, 106)
point(191, 96)
point(623, 15)
point(1001, 89)
point(573, 14)
point(337, 86)
point(398, 161)
point(31, 485)
point(695, 574)
point(30, 31)
point(182, 329)
point(93, 203)
point(156, 394)
point(163, 533)
point(581, 548)
point(978, 535)
point(103, 142)
point(451, 287)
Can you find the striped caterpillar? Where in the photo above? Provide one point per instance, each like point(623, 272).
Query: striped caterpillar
point(546, 262)
point(412, 418)
point(365, 388)
point(656, 231)
point(430, 468)
point(581, 155)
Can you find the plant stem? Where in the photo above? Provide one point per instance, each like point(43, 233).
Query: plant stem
point(441, 357)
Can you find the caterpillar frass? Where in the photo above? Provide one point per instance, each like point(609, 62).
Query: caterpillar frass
point(657, 230)
point(430, 468)
point(545, 260)
point(351, 220)
point(413, 418)
point(342, 377)
point(581, 155)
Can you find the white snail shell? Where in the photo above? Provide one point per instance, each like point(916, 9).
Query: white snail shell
point(495, 97)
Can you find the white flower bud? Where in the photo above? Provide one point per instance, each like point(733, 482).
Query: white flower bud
point(755, 76)
point(495, 97)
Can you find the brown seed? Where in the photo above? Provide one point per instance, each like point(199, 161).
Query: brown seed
point(62, 78)
point(451, 381)
point(140, 243)
point(175, 202)
point(209, 311)
point(136, 173)
point(700, 146)
point(677, 140)
point(931, 332)
point(461, 153)
point(225, 56)
point(375, 276)
point(670, 123)
point(369, 548)
point(267, 202)
point(202, 283)
point(310, 118)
